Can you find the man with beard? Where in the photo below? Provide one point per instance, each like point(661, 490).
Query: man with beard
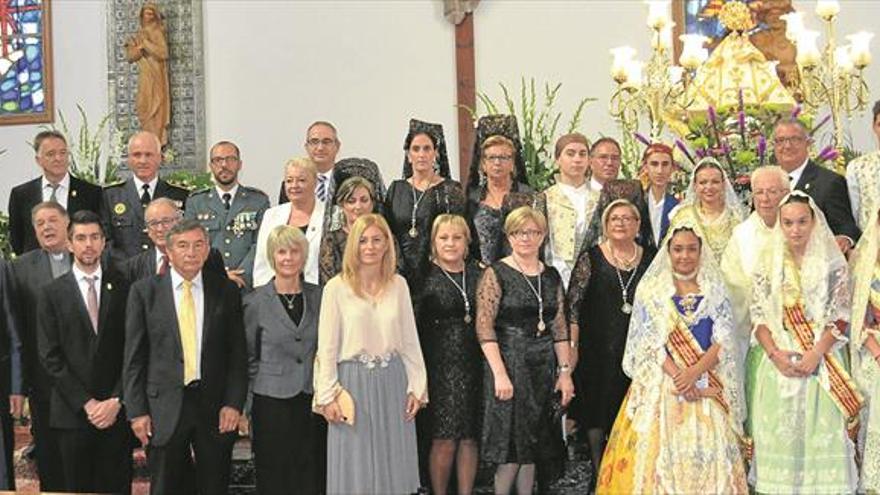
point(81, 338)
point(231, 213)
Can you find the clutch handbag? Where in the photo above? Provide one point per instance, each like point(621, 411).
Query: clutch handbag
point(346, 405)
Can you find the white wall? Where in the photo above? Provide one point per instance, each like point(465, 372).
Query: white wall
point(274, 66)
point(79, 44)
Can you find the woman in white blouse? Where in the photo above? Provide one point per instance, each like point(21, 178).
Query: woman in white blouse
point(368, 350)
point(303, 211)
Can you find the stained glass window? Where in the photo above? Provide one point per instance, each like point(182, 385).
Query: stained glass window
point(25, 62)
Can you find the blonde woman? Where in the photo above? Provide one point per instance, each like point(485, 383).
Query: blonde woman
point(281, 324)
point(446, 309)
point(303, 211)
point(523, 334)
point(368, 350)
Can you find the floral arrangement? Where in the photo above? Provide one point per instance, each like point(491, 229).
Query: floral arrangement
point(538, 121)
point(95, 154)
point(189, 180)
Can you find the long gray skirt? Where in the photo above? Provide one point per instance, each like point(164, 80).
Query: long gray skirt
point(378, 454)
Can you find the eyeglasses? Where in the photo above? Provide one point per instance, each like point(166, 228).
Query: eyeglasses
point(626, 219)
point(607, 158)
point(315, 142)
point(525, 235)
point(498, 158)
point(220, 160)
point(162, 222)
point(781, 141)
point(769, 192)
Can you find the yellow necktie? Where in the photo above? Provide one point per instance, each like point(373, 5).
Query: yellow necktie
point(186, 320)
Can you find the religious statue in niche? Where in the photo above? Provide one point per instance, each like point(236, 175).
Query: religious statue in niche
point(772, 41)
point(149, 49)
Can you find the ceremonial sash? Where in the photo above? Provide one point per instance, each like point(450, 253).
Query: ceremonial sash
point(686, 352)
point(842, 389)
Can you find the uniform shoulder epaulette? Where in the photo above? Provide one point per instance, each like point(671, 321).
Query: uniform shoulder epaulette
point(203, 190)
point(111, 185)
point(253, 190)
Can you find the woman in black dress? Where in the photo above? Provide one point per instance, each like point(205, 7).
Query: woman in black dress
point(496, 186)
point(445, 313)
point(600, 298)
point(425, 191)
point(357, 192)
point(522, 331)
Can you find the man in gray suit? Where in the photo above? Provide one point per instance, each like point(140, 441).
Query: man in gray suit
point(27, 276)
point(185, 368)
point(231, 213)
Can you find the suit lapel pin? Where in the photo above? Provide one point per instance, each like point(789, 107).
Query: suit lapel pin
point(807, 186)
point(73, 193)
point(109, 286)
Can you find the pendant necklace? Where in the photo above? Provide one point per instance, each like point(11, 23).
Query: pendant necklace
point(462, 289)
point(626, 308)
point(413, 231)
point(288, 301)
point(537, 293)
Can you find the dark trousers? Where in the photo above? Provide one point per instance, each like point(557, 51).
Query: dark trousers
point(172, 467)
point(96, 461)
point(8, 448)
point(290, 445)
point(46, 447)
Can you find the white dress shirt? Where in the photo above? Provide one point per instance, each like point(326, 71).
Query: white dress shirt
point(80, 277)
point(232, 192)
point(60, 193)
point(158, 264)
point(655, 209)
point(198, 293)
point(139, 186)
point(795, 175)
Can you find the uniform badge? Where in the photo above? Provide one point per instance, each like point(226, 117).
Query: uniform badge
point(119, 208)
point(244, 222)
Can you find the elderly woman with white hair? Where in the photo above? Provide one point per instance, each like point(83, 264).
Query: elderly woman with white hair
point(281, 323)
point(303, 211)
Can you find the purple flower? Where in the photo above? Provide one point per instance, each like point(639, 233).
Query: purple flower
point(680, 145)
point(725, 148)
point(820, 124)
point(762, 149)
point(740, 100)
point(713, 116)
point(701, 153)
point(741, 119)
point(642, 139)
point(796, 112)
point(828, 153)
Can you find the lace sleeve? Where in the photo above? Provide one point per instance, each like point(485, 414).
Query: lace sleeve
point(560, 326)
point(838, 306)
point(577, 286)
point(760, 299)
point(488, 299)
point(449, 198)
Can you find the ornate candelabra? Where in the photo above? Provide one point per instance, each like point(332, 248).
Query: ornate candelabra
point(833, 76)
point(650, 90)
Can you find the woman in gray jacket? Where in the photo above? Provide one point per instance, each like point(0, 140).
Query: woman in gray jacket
point(281, 321)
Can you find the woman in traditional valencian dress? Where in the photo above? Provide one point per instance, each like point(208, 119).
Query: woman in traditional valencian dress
point(522, 332)
point(425, 191)
point(445, 313)
point(865, 347)
point(679, 426)
point(804, 403)
point(711, 205)
point(600, 301)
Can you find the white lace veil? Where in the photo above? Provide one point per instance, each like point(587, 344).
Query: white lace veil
point(862, 263)
point(651, 324)
point(824, 281)
point(732, 204)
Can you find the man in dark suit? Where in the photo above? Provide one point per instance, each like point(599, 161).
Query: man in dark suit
point(27, 275)
point(185, 370)
point(81, 338)
point(161, 215)
point(322, 145)
point(55, 184)
point(828, 189)
point(123, 205)
point(10, 380)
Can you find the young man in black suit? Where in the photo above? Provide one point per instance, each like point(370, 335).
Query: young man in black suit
point(791, 145)
point(54, 184)
point(81, 339)
point(185, 371)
